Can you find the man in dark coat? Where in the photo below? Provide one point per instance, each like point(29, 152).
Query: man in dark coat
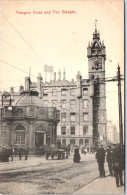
point(20, 153)
point(26, 153)
point(76, 157)
point(118, 160)
point(109, 160)
point(100, 156)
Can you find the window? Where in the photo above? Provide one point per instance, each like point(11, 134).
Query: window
point(72, 104)
point(86, 142)
point(85, 91)
point(72, 117)
point(72, 92)
point(63, 142)
point(63, 92)
point(54, 92)
point(20, 137)
point(72, 142)
point(85, 116)
point(85, 103)
point(63, 103)
point(63, 130)
point(85, 130)
point(20, 133)
point(80, 142)
point(54, 103)
point(72, 130)
point(63, 116)
point(45, 92)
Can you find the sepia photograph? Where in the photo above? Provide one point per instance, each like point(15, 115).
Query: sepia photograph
point(62, 123)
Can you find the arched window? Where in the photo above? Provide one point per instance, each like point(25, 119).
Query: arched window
point(20, 133)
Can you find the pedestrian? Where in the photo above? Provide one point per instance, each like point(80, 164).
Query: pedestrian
point(26, 153)
point(20, 153)
point(10, 151)
point(118, 160)
point(76, 157)
point(100, 156)
point(110, 160)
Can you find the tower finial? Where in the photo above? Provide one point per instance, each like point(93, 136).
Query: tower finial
point(95, 26)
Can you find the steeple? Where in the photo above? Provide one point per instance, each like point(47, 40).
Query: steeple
point(96, 48)
point(96, 35)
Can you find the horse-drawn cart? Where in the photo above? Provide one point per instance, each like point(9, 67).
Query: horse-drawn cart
point(54, 152)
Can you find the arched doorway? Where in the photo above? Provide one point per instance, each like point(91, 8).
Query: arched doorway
point(40, 136)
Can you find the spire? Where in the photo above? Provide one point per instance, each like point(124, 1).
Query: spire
point(96, 35)
point(95, 26)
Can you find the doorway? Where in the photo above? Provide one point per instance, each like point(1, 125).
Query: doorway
point(39, 139)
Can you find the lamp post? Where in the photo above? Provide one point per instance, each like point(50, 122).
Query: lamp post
point(5, 95)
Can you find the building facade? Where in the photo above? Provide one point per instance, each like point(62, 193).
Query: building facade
point(112, 135)
point(81, 102)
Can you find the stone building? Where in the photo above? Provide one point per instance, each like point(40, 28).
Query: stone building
point(28, 123)
point(82, 102)
point(112, 133)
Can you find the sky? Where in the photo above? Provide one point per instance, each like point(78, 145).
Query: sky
point(61, 40)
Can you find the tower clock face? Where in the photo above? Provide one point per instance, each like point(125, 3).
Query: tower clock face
point(97, 64)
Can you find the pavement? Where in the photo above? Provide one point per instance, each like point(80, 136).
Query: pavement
point(105, 185)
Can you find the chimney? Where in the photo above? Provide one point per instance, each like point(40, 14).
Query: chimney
point(59, 76)
point(21, 88)
point(27, 83)
point(39, 85)
point(12, 89)
point(54, 76)
point(64, 74)
point(79, 85)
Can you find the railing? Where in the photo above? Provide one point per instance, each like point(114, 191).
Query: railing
point(31, 112)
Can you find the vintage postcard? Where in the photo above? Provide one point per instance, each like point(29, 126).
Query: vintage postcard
point(62, 97)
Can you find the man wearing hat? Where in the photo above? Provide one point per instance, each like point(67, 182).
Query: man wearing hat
point(100, 156)
point(118, 160)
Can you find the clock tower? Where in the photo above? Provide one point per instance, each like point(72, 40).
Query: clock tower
point(96, 65)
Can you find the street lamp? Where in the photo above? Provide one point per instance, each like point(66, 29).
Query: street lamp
point(6, 95)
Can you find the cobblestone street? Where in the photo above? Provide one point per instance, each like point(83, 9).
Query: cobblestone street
point(39, 176)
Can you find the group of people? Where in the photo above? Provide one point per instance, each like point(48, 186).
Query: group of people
point(9, 152)
point(114, 154)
